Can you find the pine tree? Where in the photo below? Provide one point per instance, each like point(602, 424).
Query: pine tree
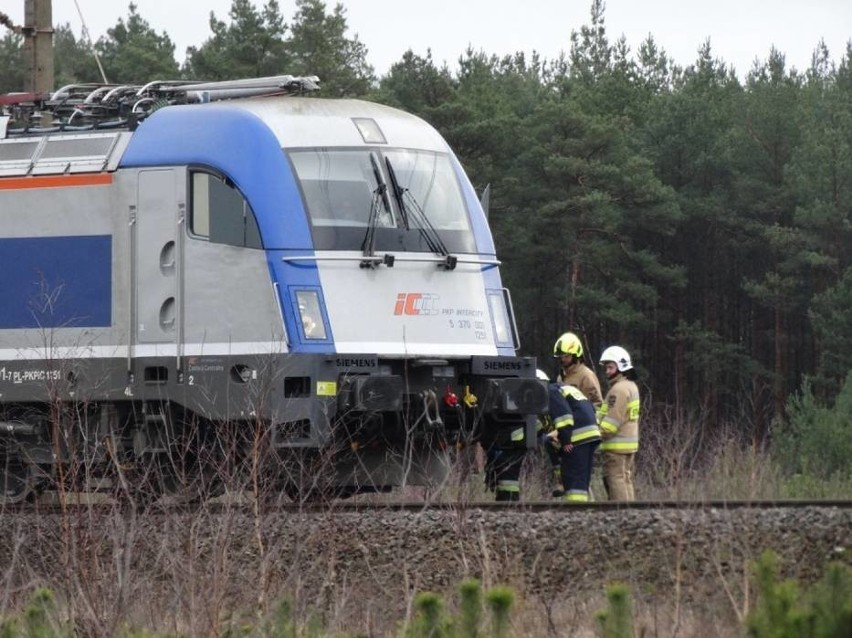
point(251, 45)
point(132, 52)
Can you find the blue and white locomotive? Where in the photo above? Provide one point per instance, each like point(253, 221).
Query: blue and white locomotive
point(297, 291)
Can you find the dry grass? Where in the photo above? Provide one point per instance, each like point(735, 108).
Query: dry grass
point(205, 574)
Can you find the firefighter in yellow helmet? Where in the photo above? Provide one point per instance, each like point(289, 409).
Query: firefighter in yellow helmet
point(573, 371)
point(618, 418)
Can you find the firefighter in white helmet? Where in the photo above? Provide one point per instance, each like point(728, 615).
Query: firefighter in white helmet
point(573, 370)
point(618, 418)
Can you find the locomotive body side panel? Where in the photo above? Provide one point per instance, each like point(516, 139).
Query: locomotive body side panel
point(229, 302)
point(64, 314)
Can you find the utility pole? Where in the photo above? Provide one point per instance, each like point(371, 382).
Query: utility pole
point(38, 45)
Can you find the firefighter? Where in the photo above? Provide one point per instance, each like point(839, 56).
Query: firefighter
point(618, 418)
point(573, 371)
point(576, 435)
point(503, 460)
point(544, 426)
point(503, 468)
point(505, 456)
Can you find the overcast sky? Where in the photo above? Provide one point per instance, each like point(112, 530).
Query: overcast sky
point(739, 30)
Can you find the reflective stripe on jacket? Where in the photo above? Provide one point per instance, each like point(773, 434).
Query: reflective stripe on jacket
point(573, 415)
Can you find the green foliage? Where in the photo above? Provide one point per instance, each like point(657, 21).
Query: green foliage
point(38, 620)
point(11, 63)
point(416, 85)
point(282, 622)
point(784, 611)
point(429, 620)
point(318, 45)
point(616, 621)
point(73, 60)
point(777, 615)
point(700, 220)
point(500, 601)
point(470, 608)
point(831, 602)
point(831, 314)
point(256, 43)
point(432, 621)
point(132, 52)
point(815, 440)
point(251, 45)
point(41, 619)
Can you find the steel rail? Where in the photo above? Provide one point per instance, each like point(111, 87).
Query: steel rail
point(337, 506)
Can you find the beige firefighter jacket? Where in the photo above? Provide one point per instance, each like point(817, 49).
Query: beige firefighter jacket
point(618, 417)
point(581, 376)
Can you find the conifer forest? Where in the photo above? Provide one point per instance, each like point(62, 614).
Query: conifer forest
point(698, 216)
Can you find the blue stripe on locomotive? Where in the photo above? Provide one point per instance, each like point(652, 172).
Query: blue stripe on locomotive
point(56, 282)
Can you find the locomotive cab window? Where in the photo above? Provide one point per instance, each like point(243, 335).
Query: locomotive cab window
point(394, 194)
point(220, 213)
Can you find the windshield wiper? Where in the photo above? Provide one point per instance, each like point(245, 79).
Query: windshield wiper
point(427, 230)
point(397, 195)
point(380, 193)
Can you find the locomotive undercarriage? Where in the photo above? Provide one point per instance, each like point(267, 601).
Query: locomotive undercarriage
point(374, 432)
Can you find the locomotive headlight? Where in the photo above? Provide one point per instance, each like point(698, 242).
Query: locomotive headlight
point(501, 308)
point(310, 314)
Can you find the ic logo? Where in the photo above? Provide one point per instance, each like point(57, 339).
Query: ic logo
point(415, 303)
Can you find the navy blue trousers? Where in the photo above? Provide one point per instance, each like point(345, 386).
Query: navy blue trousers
point(577, 468)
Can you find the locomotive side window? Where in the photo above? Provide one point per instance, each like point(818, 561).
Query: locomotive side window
point(220, 213)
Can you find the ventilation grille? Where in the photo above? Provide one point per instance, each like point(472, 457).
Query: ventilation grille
point(62, 153)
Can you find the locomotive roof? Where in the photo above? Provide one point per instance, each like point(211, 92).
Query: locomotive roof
point(309, 122)
point(97, 123)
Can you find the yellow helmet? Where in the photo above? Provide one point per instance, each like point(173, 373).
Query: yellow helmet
point(568, 343)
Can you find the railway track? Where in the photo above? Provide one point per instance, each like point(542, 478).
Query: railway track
point(76, 503)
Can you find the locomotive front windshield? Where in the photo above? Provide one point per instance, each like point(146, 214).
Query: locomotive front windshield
point(392, 195)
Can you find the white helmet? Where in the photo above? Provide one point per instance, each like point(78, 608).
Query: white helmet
point(541, 375)
point(619, 356)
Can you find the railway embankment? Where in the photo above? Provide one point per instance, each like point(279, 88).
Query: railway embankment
point(366, 564)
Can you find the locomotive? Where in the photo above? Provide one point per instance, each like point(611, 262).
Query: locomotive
point(238, 284)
